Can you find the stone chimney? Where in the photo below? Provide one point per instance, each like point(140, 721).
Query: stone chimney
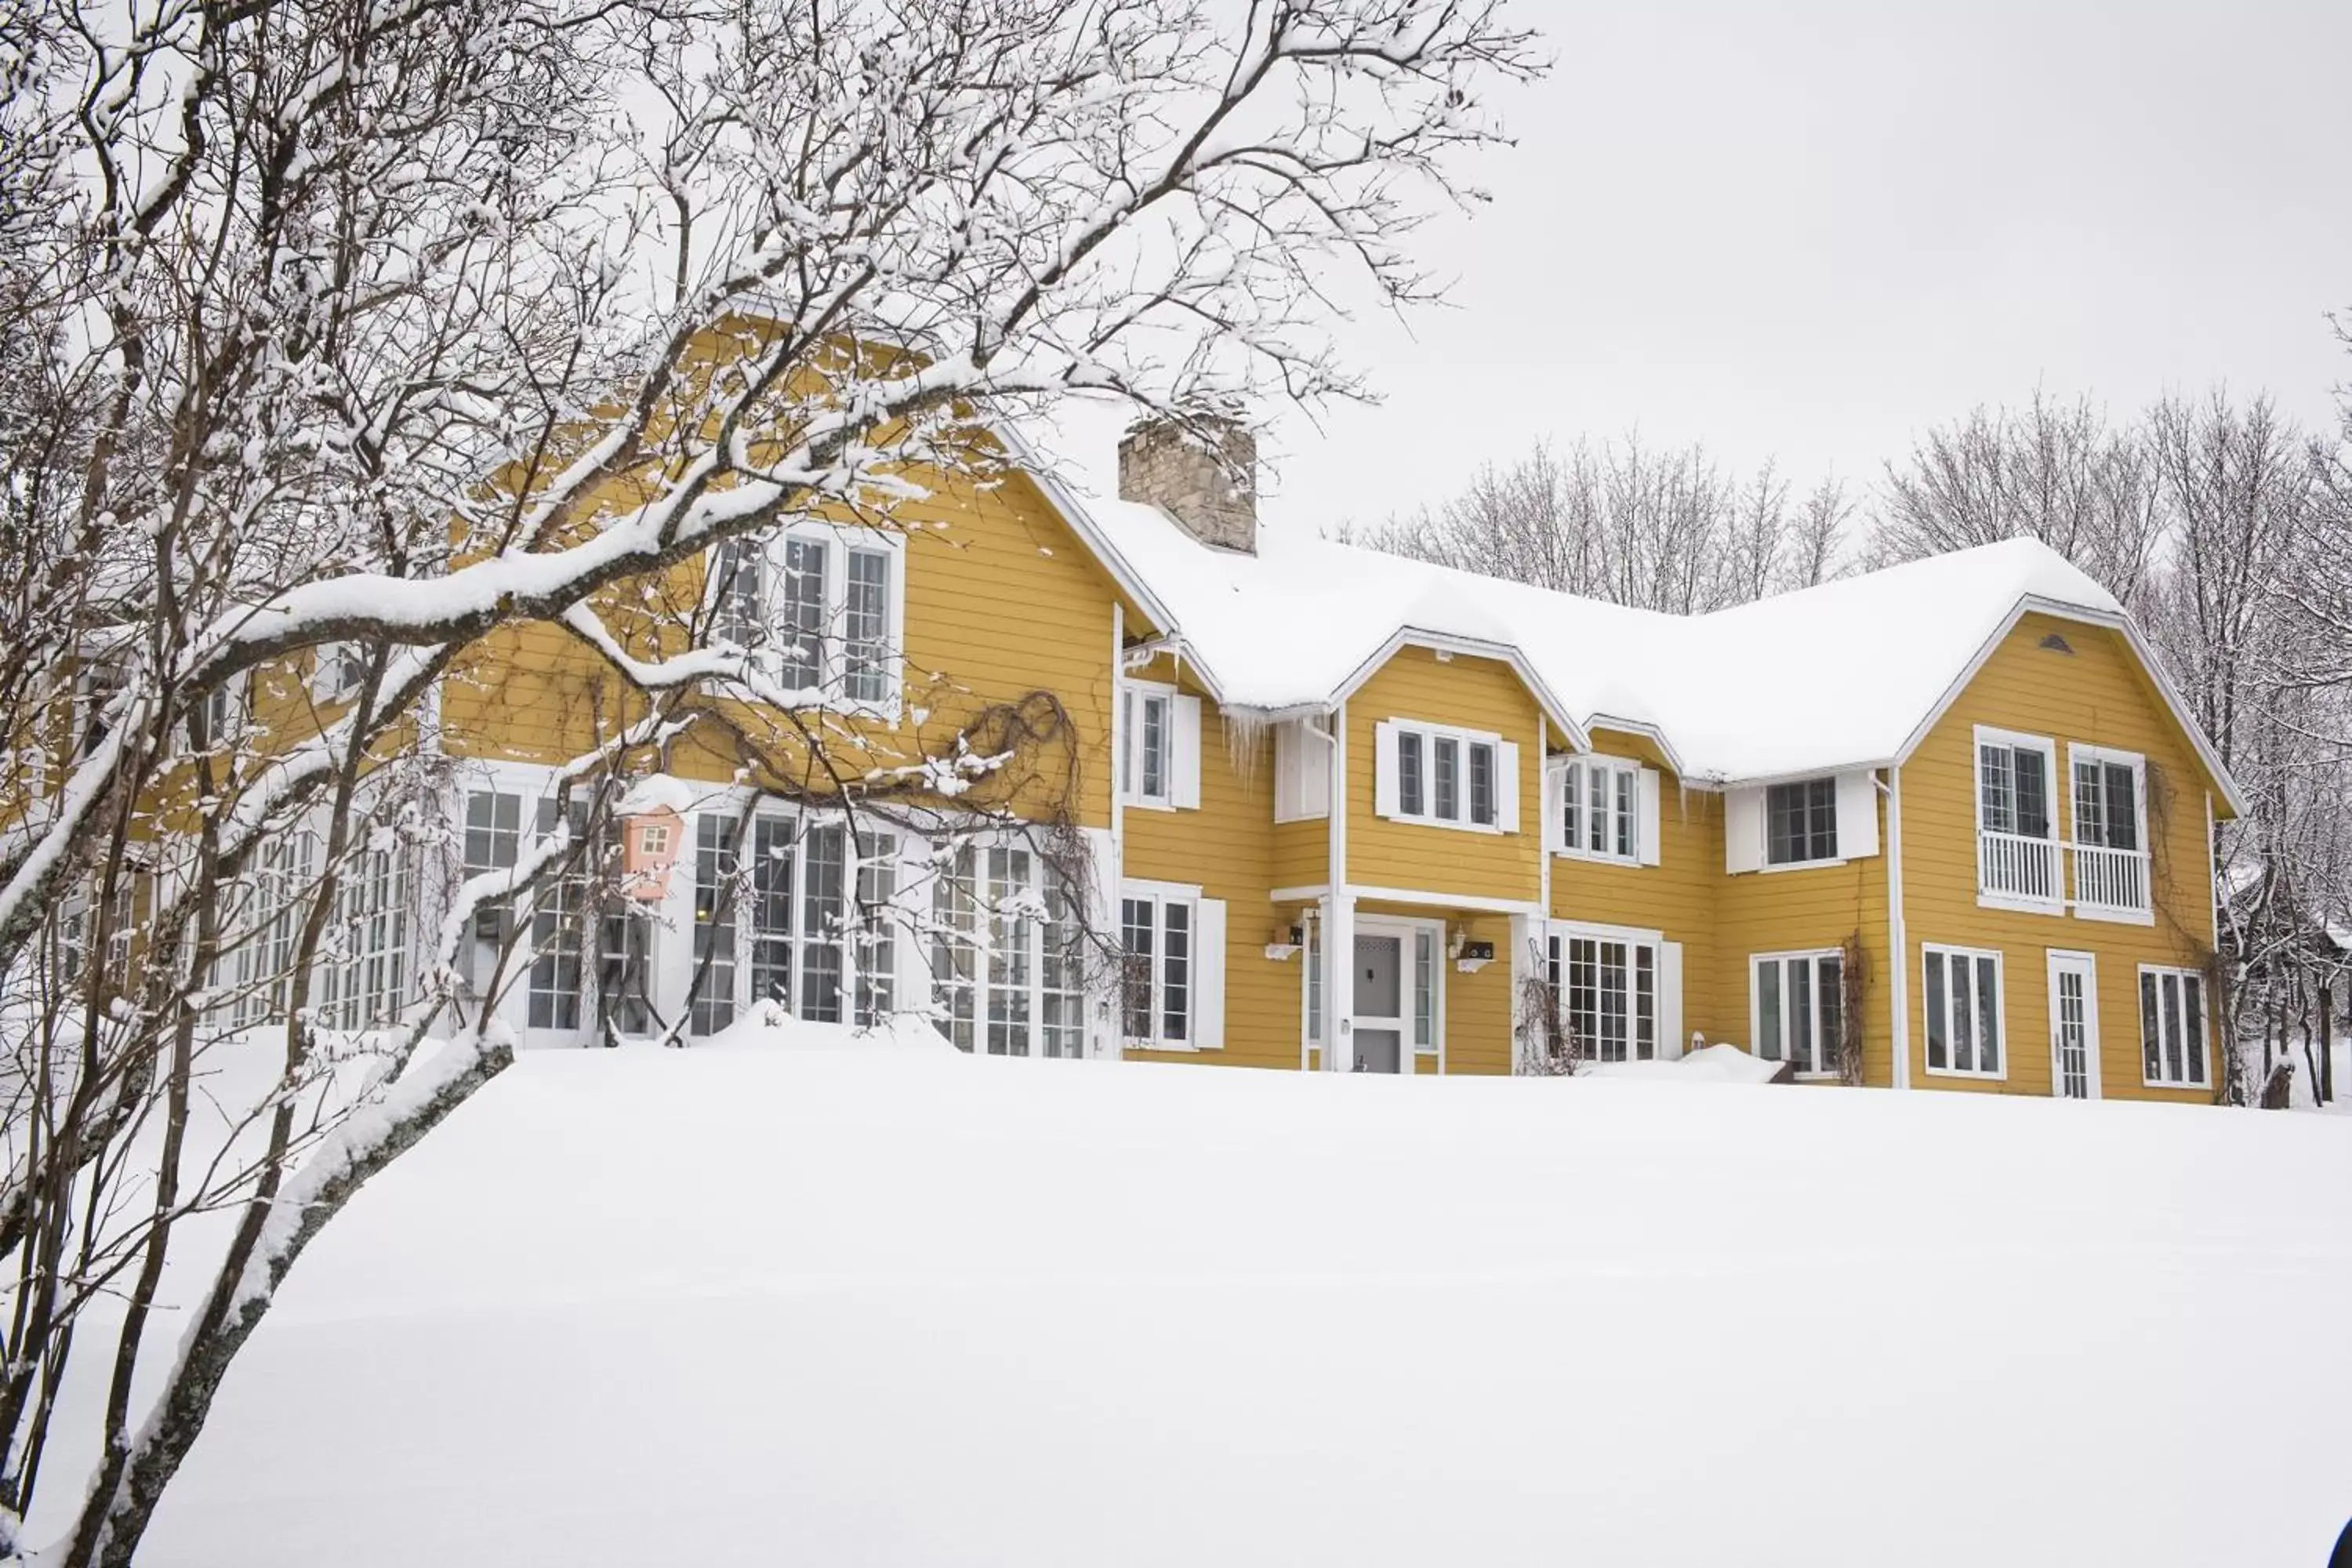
point(1203, 469)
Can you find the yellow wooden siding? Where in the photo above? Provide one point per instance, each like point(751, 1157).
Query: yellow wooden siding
point(1802, 909)
point(1677, 897)
point(1226, 848)
point(1001, 602)
point(1466, 693)
point(2096, 695)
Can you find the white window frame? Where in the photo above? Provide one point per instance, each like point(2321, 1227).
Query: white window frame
point(1825, 1046)
point(1429, 735)
point(1663, 1046)
point(1764, 803)
point(2053, 802)
point(1137, 699)
point(961, 922)
point(1574, 792)
point(1159, 897)
point(2077, 754)
point(863, 956)
point(830, 691)
point(364, 981)
point(2159, 972)
point(1975, 957)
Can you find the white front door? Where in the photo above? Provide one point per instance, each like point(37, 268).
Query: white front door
point(2073, 1026)
point(1377, 1027)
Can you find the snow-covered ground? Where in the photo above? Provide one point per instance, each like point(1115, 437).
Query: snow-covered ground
point(842, 1306)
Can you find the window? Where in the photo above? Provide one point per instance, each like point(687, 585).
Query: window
point(99, 683)
point(260, 930)
point(1159, 942)
point(2017, 849)
point(1800, 822)
point(790, 934)
point(1962, 999)
point(1450, 778)
point(1424, 992)
point(339, 672)
point(2013, 786)
point(493, 840)
point(711, 1006)
point(2172, 1028)
point(818, 608)
point(1007, 955)
point(1800, 1008)
point(363, 980)
point(2106, 799)
point(559, 913)
point(1607, 990)
point(1600, 809)
point(1312, 975)
point(1147, 760)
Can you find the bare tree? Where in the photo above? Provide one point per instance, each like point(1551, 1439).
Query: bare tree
point(341, 336)
point(2052, 471)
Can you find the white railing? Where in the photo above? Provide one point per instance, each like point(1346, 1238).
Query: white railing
point(2011, 866)
point(2112, 881)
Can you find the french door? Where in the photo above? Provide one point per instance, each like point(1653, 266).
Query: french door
point(2073, 1026)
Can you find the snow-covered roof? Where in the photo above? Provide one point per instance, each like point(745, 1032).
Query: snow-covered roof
point(1843, 675)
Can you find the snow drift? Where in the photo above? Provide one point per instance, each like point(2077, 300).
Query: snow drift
point(834, 1305)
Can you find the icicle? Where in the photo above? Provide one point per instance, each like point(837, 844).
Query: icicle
point(1246, 730)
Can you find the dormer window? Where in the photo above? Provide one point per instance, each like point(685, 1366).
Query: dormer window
point(1444, 777)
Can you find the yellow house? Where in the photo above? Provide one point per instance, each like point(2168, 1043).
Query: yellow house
point(1942, 825)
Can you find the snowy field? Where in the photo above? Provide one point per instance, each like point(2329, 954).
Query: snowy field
point(892, 1306)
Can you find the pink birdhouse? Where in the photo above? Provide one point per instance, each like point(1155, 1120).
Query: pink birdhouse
point(649, 845)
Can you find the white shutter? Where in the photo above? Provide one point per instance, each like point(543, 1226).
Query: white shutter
point(1507, 785)
point(1645, 827)
point(1549, 781)
point(1743, 830)
point(1209, 974)
point(1314, 770)
point(1384, 768)
point(1857, 815)
point(1184, 752)
point(1671, 1043)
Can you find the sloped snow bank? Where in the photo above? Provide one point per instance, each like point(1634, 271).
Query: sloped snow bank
point(899, 1307)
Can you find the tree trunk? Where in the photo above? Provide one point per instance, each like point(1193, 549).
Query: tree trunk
point(114, 1520)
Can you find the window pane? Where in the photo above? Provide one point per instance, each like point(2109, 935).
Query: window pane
point(1573, 811)
point(2172, 1073)
point(1408, 787)
point(1615, 1013)
point(1781, 805)
point(1424, 991)
point(801, 630)
point(712, 1005)
point(772, 909)
point(1988, 1016)
point(1596, 800)
point(1938, 1028)
point(1801, 1013)
point(2032, 792)
point(1449, 776)
point(1625, 812)
point(1964, 1033)
point(865, 625)
point(1176, 972)
point(1139, 931)
point(2089, 817)
point(875, 927)
point(824, 921)
point(1829, 983)
point(2123, 808)
point(1767, 1010)
point(1584, 993)
point(1155, 748)
point(1314, 979)
point(1820, 836)
point(1482, 784)
point(2151, 1030)
point(2192, 1022)
point(1646, 1002)
point(1997, 797)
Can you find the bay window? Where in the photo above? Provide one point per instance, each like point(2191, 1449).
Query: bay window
point(790, 933)
point(1600, 809)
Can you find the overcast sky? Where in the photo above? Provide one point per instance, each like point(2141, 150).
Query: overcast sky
point(1813, 229)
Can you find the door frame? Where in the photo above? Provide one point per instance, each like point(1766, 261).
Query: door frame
point(2066, 957)
point(1404, 927)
